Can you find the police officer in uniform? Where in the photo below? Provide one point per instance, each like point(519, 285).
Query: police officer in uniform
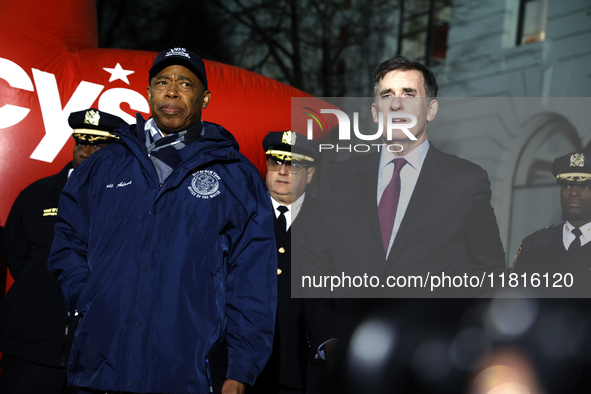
point(34, 325)
point(564, 248)
point(290, 168)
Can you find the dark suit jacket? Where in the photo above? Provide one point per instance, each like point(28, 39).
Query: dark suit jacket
point(449, 226)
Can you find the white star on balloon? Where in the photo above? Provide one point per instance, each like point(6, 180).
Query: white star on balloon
point(118, 73)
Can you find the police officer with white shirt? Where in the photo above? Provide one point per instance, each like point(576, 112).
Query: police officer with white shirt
point(564, 248)
point(290, 168)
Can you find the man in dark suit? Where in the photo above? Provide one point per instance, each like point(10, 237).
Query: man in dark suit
point(34, 325)
point(410, 210)
point(290, 169)
point(563, 250)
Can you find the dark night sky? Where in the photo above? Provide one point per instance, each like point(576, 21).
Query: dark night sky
point(155, 25)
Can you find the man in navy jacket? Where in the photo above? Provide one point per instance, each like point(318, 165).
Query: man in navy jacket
point(164, 249)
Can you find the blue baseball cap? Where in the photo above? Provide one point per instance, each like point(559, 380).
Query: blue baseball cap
point(181, 57)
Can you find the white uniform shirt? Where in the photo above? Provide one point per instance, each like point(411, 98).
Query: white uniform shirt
point(292, 213)
point(568, 237)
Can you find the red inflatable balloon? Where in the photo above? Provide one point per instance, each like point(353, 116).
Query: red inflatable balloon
point(50, 66)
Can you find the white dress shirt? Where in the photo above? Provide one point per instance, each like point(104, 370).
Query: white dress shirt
point(409, 174)
point(568, 237)
point(292, 213)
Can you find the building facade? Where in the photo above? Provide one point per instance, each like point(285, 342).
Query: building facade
point(529, 63)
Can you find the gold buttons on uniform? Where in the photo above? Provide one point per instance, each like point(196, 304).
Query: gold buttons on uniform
point(282, 250)
point(279, 271)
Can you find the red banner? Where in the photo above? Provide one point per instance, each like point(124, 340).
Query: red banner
point(50, 66)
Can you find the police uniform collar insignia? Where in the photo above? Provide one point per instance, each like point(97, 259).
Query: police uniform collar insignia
point(289, 138)
point(50, 212)
point(92, 117)
point(577, 160)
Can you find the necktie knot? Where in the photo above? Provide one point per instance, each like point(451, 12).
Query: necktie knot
point(576, 244)
point(398, 164)
point(282, 209)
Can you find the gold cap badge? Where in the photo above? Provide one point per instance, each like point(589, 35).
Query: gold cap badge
point(577, 160)
point(289, 138)
point(92, 117)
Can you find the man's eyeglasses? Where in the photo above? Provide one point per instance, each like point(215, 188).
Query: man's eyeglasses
point(291, 167)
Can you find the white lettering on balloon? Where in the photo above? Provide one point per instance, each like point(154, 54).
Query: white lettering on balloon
point(55, 118)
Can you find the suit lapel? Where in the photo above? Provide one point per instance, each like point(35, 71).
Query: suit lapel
point(369, 189)
point(427, 182)
point(300, 218)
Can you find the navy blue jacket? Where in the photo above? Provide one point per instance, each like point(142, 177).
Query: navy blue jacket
point(159, 275)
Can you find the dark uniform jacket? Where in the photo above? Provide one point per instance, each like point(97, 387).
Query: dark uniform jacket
point(287, 364)
point(32, 320)
point(543, 252)
point(3, 273)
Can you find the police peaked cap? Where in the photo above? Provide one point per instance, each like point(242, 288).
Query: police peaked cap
point(181, 57)
point(574, 168)
point(288, 146)
point(93, 126)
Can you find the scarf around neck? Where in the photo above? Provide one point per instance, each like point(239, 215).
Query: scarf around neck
point(164, 150)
